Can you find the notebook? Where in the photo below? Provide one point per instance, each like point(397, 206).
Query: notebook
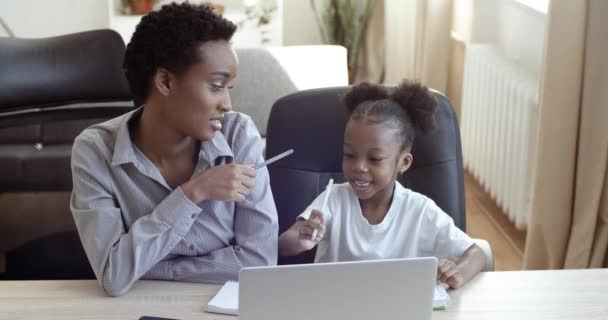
point(441, 299)
point(226, 301)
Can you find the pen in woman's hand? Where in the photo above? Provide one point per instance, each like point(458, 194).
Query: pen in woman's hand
point(273, 159)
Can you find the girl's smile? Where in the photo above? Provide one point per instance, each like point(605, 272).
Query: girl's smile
point(372, 158)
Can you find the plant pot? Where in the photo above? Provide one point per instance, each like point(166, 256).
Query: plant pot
point(352, 75)
point(140, 6)
point(217, 8)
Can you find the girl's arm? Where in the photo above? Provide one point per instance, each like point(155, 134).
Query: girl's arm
point(298, 237)
point(289, 244)
point(472, 261)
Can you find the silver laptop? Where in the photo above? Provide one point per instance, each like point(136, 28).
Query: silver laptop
point(380, 289)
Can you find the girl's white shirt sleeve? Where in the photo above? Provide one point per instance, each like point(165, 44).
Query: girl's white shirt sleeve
point(316, 204)
point(440, 237)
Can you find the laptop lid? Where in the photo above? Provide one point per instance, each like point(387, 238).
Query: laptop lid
point(381, 289)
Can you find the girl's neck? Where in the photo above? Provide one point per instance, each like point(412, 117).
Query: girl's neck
point(375, 208)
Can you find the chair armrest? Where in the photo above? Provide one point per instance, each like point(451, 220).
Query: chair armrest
point(487, 250)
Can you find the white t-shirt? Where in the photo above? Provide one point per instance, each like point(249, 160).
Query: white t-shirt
point(414, 226)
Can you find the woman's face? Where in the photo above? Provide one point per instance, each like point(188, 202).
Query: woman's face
point(198, 97)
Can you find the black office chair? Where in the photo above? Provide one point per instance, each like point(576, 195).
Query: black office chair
point(312, 123)
point(50, 90)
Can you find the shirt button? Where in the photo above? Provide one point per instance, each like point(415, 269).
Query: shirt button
point(193, 215)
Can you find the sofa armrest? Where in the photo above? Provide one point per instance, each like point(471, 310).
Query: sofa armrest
point(487, 250)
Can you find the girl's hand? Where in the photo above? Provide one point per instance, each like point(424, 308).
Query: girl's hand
point(449, 273)
point(306, 229)
point(298, 237)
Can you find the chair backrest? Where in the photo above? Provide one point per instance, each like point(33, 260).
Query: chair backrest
point(312, 123)
point(50, 90)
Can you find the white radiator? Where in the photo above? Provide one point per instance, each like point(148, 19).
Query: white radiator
point(498, 124)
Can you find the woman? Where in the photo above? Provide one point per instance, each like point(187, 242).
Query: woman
point(169, 191)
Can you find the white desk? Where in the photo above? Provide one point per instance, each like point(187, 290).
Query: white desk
point(518, 295)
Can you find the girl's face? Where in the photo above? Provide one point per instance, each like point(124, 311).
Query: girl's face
point(198, 98)
point(372, 159)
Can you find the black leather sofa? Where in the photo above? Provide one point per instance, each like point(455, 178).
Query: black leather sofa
point(50, 90)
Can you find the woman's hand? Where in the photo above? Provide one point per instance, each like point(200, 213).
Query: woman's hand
point(227, 182)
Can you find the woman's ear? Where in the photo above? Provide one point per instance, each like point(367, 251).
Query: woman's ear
point(162, 81)
point(405, 162)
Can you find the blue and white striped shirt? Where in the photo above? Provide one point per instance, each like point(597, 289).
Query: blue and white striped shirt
point(133, 225)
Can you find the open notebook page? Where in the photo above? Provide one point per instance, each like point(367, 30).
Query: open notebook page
point(226, 301)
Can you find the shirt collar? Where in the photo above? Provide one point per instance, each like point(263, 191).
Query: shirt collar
point(123, 148)
point(124, 151)
point(215, 148)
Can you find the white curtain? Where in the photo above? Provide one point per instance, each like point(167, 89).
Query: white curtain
point(371, 64)
point(417, 41)
point(569, 223)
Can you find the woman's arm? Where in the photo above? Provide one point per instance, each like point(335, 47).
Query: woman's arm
point(118, 256)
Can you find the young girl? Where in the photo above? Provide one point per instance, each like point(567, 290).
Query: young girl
point(372, 216)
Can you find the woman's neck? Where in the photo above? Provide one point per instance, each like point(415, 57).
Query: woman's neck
point(158, 141)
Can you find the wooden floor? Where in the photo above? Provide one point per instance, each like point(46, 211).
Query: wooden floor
point(486, 221)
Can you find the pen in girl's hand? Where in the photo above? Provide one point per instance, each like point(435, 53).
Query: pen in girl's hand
point(327, 192)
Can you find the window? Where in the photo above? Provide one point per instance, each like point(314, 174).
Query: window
point(538, 5)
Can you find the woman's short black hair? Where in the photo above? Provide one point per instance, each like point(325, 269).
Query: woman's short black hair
point(169, 38)
point(410, 106)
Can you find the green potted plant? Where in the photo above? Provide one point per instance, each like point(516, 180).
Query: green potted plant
point(343, 22)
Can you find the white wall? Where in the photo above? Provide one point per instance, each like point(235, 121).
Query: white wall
point(43, 18)
point(522, 34)
point(462, 19)
point(517, 30)
point(476, 20)
point(299, 24)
